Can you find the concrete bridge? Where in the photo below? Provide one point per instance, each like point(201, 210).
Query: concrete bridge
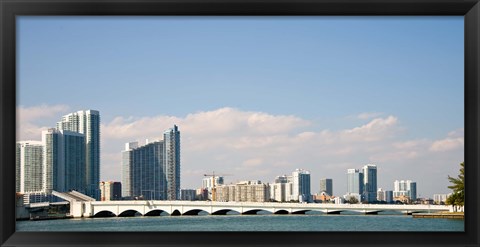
point(157, 208)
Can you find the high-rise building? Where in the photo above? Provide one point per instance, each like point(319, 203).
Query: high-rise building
point(326, 185)
point(110, 191)
point(152, 171)
point(405, 188)
point(64, 160)
point(28, 167)
point(171, 162)
point(88, 123)
point(142, 171)
point(354, 181)
point(370, 182)
point(301, 185)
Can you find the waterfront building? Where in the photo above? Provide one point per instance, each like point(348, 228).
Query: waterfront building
point(354, 181)
point(152, 171)
point(440, 198)
point(326, 185)
point(301, 185)
point(110, 191)
point(322, 197)
point(405, 188)
point(277, 192)
point(87, 122)
point(29, 167)
point(281, 189)
point(389, 196)
point(370, 182)
point(187, 194)
point(245, 191)
point(142, 171)
point(171, 162)
point(64, 161)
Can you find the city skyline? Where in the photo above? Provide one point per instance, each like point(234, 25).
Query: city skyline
point(256, 103)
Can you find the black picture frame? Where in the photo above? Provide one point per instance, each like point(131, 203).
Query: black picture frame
point(9, 9)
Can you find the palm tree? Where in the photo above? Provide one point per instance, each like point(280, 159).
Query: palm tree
point(458, 187)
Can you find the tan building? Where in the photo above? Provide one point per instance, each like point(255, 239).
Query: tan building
point(245, 191)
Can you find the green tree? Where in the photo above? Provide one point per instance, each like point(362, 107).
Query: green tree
point(458, 186)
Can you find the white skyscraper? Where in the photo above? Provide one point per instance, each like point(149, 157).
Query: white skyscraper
point(88, 123)
point(29, 169)
point(301, 185)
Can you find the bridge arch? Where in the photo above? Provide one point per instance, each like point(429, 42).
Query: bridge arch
point(303, 211)
point(194, 212)
point(224, 212)
point(155, 212)
point(281, 211)
point(129, 213)
point(105, 213)
point(256, 211)
point(175, 213)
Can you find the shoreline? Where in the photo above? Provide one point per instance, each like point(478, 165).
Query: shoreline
point(449, 215)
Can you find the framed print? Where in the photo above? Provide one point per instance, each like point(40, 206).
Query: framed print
point(241, 123)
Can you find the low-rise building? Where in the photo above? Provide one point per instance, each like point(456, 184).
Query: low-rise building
point(245, 191)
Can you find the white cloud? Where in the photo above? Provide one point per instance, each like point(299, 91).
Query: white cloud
point(376, 129)
point(454, 141)
point(32, 120)
point(447, 144)
point(368, 115)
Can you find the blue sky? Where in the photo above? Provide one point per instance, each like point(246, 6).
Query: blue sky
point(398, 79)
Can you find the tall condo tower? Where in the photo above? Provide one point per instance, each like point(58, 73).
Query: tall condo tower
point(171, 138)
point(301, 185)
point(142, 171)
point(29, 170)
point(64, 160)
point(370, 182)
point(354, 181)
point(326, 185)
point(88, 123)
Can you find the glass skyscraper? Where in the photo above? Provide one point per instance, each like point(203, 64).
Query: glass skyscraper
point(354, 181)
point(370, 182)
point(326, 185)
point(64, 160)
point(142, 171)
point(171, 163)
point(88, 123)
point(152, 171)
